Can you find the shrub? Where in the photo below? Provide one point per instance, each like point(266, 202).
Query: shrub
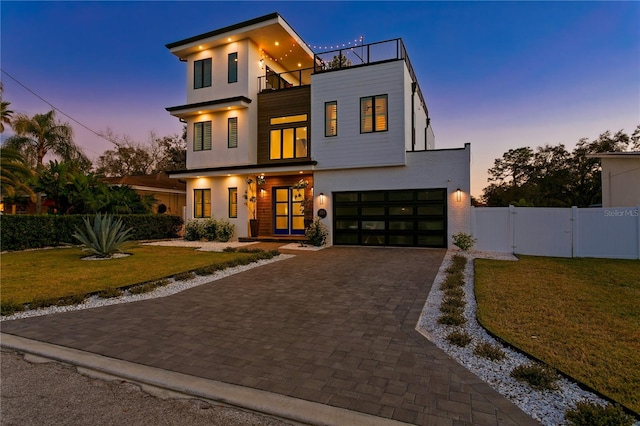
point(452, 319)
point(184, 276)
point(148, 287)
point(539, 377)
point(458, 264)
point(225, 230)
point(209, 229)
point(449, 309)
point(464, 241)
point(489, 351)
point(10, 307)
point(459, 338)
point(452, 281)
point(110, 293)
point(20, 232)
point(194, 230)
point(105, 237)
point(454, 293)
point(592, 414)
point(316, 233)
point(453, 302)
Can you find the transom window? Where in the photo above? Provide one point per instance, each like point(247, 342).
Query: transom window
point(288, 119)
point(201, 203)
point(331, 118)
point(373, 114)
point(202, 136)
point(202, 73)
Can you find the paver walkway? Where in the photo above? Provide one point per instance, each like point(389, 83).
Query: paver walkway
point(335, 326)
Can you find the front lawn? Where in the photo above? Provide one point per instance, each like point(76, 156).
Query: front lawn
point(47, 274)
point(581, 316)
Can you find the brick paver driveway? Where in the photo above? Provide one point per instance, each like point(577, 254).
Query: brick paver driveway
point(335, 327)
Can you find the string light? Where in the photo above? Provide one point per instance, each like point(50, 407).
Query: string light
point(357, 42)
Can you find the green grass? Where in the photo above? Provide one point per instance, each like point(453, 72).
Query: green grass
point(58, 273)
point(580, 316)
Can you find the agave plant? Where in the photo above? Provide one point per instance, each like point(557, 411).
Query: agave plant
point(105, 237)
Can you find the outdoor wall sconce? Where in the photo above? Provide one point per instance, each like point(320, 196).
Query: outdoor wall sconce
point(261, 63)
point(321, 198)
point(263, 192)
point(458, 195)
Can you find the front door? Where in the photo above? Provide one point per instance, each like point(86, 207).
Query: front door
point(288, 211)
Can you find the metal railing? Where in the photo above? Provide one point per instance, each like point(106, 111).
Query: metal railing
point(285, 80)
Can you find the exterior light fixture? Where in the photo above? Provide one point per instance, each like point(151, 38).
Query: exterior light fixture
point(321, 198)
point(261, 63)
point(458, 195)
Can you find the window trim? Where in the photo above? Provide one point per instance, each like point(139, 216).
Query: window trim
point(231, 127)
point(328, 120)
point(232, 67)
point(199, 145)
point(199, 200)
point(205, 67)
point(373, 114)
point(233, 203)
point(281, 131)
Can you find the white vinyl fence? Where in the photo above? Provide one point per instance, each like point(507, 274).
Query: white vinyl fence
point(558, 232)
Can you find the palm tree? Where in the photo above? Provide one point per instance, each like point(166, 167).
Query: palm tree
point(15, 175)
point(5, 112)
point(38, 135)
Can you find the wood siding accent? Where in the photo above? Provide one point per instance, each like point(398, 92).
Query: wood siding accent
point(279, 103)
point(265, 199)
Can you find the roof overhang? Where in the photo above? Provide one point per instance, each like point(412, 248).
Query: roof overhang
point(626, 154)
point(249, 169)
point(183, 111)
point(271, 33)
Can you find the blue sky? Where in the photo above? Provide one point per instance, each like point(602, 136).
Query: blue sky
point(499, 75)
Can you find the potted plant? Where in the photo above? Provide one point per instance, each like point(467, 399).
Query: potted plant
point(306, 204)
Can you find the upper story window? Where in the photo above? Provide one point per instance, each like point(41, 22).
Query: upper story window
point(202, 136)
point(233, 68)
point(202, 73)
point(331, 118)
point(201, 203)
point(232, 132)
point(288, 137)
point(373, 114)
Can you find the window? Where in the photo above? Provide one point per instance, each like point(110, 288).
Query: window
point(201, 203)
point(232, 132)
point(202, 136)
point(202, 73)
point(286, 142)
point(373, 114)
point(233, 202)
point(232, 69)
point(331, 118)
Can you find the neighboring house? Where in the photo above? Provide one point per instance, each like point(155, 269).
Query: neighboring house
point(170, 193)
point(620, 178)
point(346, 134)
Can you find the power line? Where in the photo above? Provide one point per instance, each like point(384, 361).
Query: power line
point(56, 108)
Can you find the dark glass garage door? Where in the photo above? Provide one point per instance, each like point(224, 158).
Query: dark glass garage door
point(414, 217)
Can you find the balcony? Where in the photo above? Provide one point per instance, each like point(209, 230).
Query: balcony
point(284, 80)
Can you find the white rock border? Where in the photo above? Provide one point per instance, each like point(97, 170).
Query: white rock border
point(548, 407)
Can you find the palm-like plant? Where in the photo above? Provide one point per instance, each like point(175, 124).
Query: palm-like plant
point(105, 237)
point(5, 115)
point(15, 175)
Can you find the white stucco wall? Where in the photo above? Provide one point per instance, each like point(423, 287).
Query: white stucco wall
point(621, 181)
point(448, 168)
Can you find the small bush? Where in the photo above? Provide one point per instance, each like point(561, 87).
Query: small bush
point(209, 229)
point(452, 310)
point(229, 249)
point(207, 270)
point(453, 302)
point(110, 293)
point(539, 377)
point(454, 293)
point(452, 281)
point(184, 276)
point(458, 263)
point(194, 230)
point(316, 233)
point(464, 241)
point(592, 414)
point(452, 319)
point(489, 351)
point(225, 230)
point(10, 307)
point(74, 299)
point(459, 338)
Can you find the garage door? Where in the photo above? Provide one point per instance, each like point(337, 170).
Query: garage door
point(415, 217)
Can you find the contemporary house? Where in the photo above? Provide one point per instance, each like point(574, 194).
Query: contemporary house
point(284, 135)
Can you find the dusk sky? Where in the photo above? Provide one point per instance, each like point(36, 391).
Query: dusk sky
point(499, 75)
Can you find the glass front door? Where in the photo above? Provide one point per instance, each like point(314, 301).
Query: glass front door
point(289, 215)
